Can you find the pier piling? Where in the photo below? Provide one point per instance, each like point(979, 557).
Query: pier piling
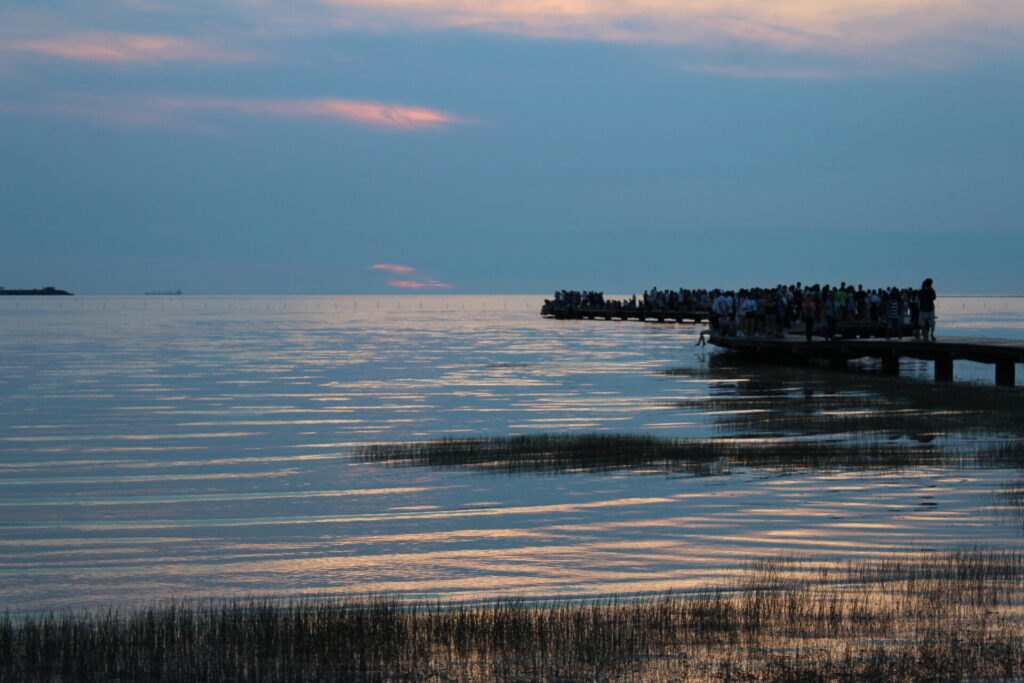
point(944, 369)
point(1003, 353)
point(1005, 373)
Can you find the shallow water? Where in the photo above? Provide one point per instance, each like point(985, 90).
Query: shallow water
point(157, 446)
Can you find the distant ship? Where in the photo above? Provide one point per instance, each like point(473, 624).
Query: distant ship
point(45, 291)
point(165, 292)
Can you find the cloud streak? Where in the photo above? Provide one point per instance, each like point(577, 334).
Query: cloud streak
point(409, 284)
point(372, 113)
point(167, 111)
point(926, 32)
point(417, 284)
point(376, 114)
point(730, 36)
point(124, 48)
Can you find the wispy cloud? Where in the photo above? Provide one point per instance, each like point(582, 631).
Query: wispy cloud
point(777, 72)
point(925, 32)
point(164, 111)
point(124, 48)
point(415, 284)
point(379, 114)
point(409, 284)
point(392, 267)
point(919, 33)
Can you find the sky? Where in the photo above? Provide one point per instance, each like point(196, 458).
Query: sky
point(509, 146)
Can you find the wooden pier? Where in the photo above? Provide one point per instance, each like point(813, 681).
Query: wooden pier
point(1004, 354)
point(623, 313)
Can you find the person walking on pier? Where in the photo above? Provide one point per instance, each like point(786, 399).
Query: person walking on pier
point(926, 312)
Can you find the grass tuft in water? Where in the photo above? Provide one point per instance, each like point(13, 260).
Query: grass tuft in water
point(554, 453)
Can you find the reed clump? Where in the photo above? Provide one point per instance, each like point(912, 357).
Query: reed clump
point(942, 617)
point(553, 453)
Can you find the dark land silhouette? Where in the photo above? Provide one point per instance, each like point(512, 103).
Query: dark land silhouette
point(42, 291)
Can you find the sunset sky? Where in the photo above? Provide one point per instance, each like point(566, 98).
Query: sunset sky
point(510, 146)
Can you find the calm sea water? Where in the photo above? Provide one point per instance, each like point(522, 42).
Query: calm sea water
point(201, 446)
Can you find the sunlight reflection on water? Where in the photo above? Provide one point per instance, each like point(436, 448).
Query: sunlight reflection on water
point(201, 446)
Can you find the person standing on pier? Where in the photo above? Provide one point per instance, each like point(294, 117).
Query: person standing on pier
point(721, 308)
point(832, 308)
point(810, 313)
point(926, 312)
point(894, 314)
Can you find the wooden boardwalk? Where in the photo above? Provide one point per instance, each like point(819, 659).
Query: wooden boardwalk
point(1003, 353)
point(612, 313)
point(858, 340)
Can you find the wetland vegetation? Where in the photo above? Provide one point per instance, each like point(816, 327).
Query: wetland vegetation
point(930, 617)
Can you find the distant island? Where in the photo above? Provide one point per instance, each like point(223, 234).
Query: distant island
point(165, 292)
point(45, 291)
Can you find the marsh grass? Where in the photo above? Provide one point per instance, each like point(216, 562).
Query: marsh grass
point(557, 453)
point(1010, 500)
point(942, 617)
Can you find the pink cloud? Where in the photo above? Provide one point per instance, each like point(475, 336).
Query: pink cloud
point(372, 113)
point(411, 284)
point(916, 33)
point(392, 267)
point(124, 47)
point(166, 111)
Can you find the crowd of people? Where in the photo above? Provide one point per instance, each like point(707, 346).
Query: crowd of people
point(654, 299)
point(770, 311)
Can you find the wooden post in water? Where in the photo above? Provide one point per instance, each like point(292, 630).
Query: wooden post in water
point(944, 369)
point(1005, 373)
point(891, 364)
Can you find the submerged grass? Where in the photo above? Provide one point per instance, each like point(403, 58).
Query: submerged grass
point(544, 453)
point(564, 453)
point(932, 617)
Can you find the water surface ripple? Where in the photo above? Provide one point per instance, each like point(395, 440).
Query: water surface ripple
point(202, 446)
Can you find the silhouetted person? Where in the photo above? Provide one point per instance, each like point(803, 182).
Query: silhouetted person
point(810, 312)
point(894, 315)
point(926, 312)
point(831, 314)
